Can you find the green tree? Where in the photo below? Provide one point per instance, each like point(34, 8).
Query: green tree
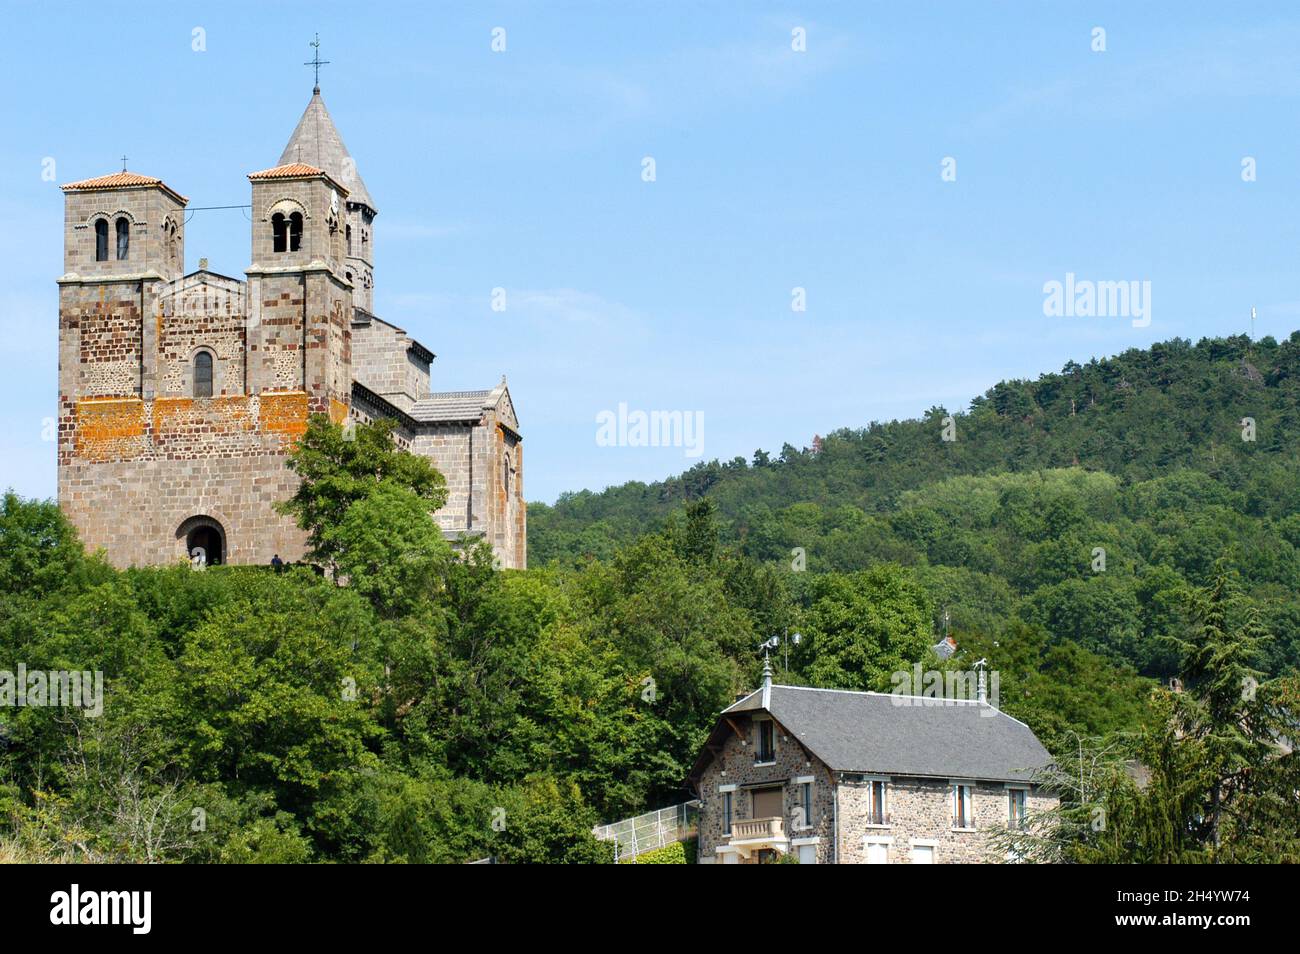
point(339, 466)
point(390, 549)
point(863, 627)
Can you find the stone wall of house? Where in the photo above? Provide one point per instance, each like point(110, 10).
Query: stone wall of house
point(735, 765)
point(921, 808)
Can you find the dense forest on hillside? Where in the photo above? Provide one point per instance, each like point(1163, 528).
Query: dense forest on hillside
point(394, 702)
point(1140, 455)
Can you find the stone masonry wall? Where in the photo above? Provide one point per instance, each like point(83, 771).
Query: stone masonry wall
point(140, 456)
point(154, 247)
point(921, 808)
point(507, 513)
point(735, 766)
point(452, 450)
point(916, 808)
point(383, 362)
point(207, 314)
point(134, 509)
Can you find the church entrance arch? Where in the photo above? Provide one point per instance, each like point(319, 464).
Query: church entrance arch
point(205, 540)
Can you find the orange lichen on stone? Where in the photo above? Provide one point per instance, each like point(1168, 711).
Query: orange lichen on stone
point(338, 411)
point(222, 415)
point(166, 411)
point(284, 412)
point(109, 427)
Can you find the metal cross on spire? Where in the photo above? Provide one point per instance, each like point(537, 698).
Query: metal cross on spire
point(124, 163)
point(316, 61)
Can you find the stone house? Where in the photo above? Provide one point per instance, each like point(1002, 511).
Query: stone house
point(862, 778)
point(181, 393)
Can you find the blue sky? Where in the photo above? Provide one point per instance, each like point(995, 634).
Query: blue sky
point(775, 169)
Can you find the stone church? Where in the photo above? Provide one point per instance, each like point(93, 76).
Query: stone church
point(181, 394)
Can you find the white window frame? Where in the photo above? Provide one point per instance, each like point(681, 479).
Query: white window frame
point(801, 781)
point(728, 807)
point(871, 799)
point(969, 803)
point(796, 844)
point(1024, 808)
point(930, 843)
point(885, 841)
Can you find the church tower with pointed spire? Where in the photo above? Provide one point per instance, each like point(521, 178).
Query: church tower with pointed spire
point(182, 394)
point(316, 142)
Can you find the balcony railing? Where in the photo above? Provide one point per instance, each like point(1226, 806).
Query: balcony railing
point(752, 829)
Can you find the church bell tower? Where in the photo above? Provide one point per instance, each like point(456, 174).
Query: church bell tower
point(316, 142)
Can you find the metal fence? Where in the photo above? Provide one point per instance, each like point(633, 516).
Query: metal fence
point(635, 836)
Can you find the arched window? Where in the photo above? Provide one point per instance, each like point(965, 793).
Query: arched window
point(279, 233)
point(203, 374)
point(169, 239)
point(101, 240)
point(123, 239)
point(505, 474)
point(295, 231)
point(347, 231)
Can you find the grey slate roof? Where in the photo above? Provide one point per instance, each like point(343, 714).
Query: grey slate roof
point(317, 142)
point(871, 733)
point(450, 406)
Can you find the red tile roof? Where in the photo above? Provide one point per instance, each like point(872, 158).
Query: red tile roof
point(290, 171)
point(113, 181)
point(296, 170)
point(120, 180)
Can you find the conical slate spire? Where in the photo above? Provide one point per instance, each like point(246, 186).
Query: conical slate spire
point(317, 142)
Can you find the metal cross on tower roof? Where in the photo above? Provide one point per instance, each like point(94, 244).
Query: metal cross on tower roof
point(316, 62)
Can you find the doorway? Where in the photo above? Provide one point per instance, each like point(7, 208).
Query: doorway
point(205, 541)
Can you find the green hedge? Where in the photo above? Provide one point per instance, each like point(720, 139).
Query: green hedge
point(678, 853)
